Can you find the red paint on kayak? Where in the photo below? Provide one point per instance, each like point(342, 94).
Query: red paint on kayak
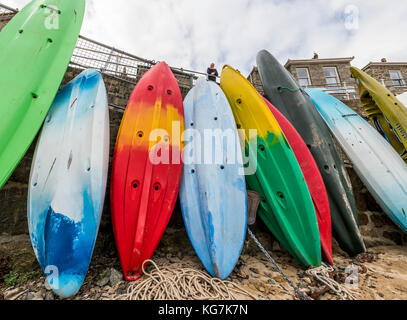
point(314, 181)
point(144, 192)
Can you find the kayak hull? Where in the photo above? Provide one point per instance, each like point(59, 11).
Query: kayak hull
point(377, 164)
point(314, 181)
point(147, 168)
point(34, 55)
point(213, 193)
point(286, 206)
point(386, 112)
point(68, 182)
point(285, 94)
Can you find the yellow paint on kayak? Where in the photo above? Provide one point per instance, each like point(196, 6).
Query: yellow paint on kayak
point(286, 207)
point(385, 111)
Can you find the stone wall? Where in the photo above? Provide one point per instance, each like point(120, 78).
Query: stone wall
point(5, 18)
point(254, 78)
point(377, 229)
point(381, 72)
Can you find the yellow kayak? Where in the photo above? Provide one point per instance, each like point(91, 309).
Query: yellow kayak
point(286, 207)
point(387, 114)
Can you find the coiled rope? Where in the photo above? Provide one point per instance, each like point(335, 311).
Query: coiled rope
point(322, 274)
point(169, 283)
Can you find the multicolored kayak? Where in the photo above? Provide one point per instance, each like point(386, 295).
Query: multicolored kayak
point(68, 182)
point(385, 111)
point(34, 55)
point(314, 181)
point(286, 206)
point(286, 95)
point(380, 168)
point(213, 192)
point(147, 167)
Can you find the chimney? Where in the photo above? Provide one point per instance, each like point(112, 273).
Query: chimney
point(384, 60)
point(316, 56)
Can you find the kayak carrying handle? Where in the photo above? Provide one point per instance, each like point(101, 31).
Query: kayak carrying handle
point(289, 89)
point(50, 8)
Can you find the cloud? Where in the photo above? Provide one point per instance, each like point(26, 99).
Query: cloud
point(191, 34)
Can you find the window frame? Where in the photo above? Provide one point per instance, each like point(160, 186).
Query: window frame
point(399, 82)
point(336, 77)
point(300, 79)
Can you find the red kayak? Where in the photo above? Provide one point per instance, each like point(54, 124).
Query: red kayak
point(314, 181)
point(147, 168)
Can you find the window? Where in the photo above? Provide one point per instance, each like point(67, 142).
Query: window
point(397, 78)
point(303, 77)
point(331, 75)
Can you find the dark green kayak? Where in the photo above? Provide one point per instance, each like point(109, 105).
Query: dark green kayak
point(283, 91)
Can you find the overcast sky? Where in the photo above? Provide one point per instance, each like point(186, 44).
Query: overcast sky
point(191, 33)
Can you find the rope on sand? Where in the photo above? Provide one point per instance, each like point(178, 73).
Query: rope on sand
point(322, 275)
point(170, 283)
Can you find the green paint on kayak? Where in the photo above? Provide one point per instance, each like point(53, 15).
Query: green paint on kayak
point(286, 207)
point(283, 91)
point(35, 50)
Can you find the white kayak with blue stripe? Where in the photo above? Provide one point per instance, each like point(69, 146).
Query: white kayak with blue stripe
point(68, 182)
point(213, 189)
point(378, 165)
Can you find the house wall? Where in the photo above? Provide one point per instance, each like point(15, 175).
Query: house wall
point(382, 72)
point(317, 75)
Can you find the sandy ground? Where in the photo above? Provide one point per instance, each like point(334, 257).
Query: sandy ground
point(382, 273)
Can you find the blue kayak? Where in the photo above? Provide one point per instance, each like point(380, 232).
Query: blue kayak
point(213, 189)
point(68, 182)
point(378, 165)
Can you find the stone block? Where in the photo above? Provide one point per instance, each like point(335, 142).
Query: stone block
point(13, 209)
point(396, 237)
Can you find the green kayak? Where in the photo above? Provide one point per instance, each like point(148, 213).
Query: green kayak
point(286, 207)
point(35, 50)
point(286, 95)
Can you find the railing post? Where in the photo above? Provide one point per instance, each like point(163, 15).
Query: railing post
point(346, 91)
point(383, 82)
point(108, 61)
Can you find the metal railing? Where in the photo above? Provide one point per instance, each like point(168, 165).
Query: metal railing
point(6, 9)
point(108, 60)
point(394, 83)
point(343, 91)
point(113, 62)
